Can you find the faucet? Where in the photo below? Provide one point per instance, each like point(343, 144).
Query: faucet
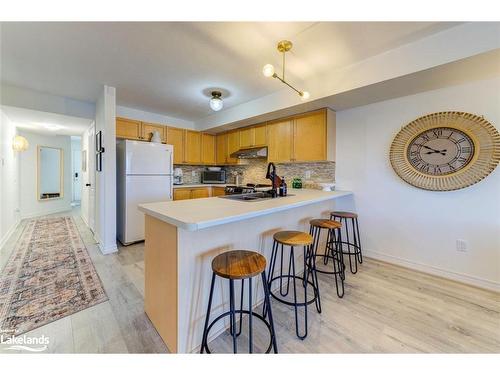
point(275, 180)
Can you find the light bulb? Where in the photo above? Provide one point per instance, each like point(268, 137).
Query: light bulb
point(19, 143)
point(268, 70)
point(305, 95)
point(216, 104)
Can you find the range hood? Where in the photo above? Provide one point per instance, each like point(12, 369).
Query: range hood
point(251, 153)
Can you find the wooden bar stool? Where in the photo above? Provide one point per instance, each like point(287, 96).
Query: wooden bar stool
point(354, 245)
point(240, 265)
point(293, 239)
point(333, 251)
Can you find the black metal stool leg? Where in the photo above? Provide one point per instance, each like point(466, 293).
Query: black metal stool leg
point(281, 274)
point(207, 318)
point(272, 264)
point(250, 317)
point(314, 276)
point(241, 310)
point(339, 268)
point(296, 308)
point(269, 312)
point(232, 315)
point(360, 255)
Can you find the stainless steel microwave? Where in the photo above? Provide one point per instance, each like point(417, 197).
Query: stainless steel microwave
point(213, 177)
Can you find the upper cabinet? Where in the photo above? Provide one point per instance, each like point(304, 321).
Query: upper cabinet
point(307, 137)
point(302, 138)
point(192, 147)
point(130, 129)
point(253, 136)
point(208, 148)
point(232, 145)
point(175, 137)
point(279, 141)
point(220, 148)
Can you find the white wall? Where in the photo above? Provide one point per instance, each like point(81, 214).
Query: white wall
point(29, 203)
point(9, 179)
point(413, 227)
point(137, 114)
point(105, 228)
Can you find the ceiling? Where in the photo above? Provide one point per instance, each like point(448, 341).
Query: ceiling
point(46, 123)
point(170, 67)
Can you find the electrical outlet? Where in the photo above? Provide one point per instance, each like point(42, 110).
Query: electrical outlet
point(193, 173)
point(462, 246)
point(308, 175)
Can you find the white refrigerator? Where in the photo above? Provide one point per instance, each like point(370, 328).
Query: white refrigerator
point(144, 175)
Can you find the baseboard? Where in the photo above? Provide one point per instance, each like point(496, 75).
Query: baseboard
point(436, 271)
point(108, 249)
point(8, 234)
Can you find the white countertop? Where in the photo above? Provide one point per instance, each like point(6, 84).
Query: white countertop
point(187, 186)
point(195, 214)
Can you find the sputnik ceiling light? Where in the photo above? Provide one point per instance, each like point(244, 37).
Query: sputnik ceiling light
point(268, 70)
point(216, 101)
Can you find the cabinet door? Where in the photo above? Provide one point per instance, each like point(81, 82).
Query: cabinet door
point(193, 147)
point(148, 129)
point(309, 137)
point(220, 144)
point(129, 129)
point(200, 193)
point(247, 137)
point(233, 145)
point(207, 148)
point(175, 137)
point(180, 194)
point(279, 141)
point(218, 191)
point(260, 135)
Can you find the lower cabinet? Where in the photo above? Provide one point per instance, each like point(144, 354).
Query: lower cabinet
point(191, 193)
point(217, 191)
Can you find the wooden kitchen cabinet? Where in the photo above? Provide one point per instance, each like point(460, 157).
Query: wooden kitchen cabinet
point(200, 193)
point(191, 193)
point(221, 148)
point(309, 137)
point(192, 147)
point(253, 136)
point(147, 130)
point(175, 137)
point(208, 149)
point(233, 145)
point(217, 191)
point(128, 129)
point(279, 141)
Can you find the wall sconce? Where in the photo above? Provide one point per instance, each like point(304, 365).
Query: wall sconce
point(20, 144)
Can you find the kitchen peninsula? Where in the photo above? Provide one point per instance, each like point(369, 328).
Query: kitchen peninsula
point(182, 238)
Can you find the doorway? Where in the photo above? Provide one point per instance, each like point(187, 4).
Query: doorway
point(88, 177)
point(76, 170)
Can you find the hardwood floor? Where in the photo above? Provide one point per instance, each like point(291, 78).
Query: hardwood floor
point(386, 309)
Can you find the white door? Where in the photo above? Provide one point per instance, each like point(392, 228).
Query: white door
point(77, 174)
point(143, 189)
point(91, 180)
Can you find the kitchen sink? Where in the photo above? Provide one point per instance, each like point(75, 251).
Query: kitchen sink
point(251, 197)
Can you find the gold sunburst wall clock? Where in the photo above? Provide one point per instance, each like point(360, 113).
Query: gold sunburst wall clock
point(445, 151)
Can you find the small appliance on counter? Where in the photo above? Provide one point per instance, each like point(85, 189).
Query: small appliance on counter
point(177, 176)
point(213, 175)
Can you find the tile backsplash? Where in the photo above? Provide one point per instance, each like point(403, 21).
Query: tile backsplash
point(254, 171)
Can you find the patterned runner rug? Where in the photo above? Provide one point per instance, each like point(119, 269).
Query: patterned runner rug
point(49, 276)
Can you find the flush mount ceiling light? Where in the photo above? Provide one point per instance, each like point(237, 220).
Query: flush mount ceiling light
point(20, 144)
point(216, 101)
point(268, 70)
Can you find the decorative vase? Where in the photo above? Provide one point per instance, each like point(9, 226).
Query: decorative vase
point(156, 137)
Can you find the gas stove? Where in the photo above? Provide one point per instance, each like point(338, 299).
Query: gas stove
point(246, 189)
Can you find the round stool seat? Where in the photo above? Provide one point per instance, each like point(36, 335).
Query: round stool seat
point(293, 238)
point(325, 223)
point(238, 264)
point(345, 214)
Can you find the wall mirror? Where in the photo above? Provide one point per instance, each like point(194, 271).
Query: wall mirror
point(50, 173)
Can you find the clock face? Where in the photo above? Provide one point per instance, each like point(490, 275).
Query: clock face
point(440, 151)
